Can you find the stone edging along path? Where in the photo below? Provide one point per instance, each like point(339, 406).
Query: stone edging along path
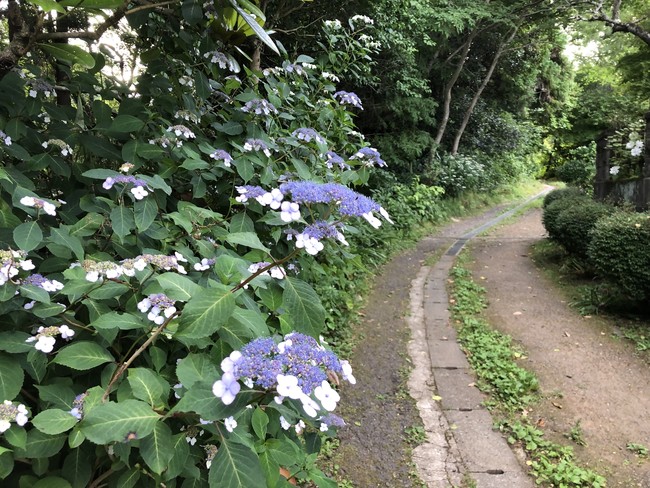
point(460, 438)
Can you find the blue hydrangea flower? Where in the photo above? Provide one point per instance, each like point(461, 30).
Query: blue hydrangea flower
point(259, 106)
point(348, 98)
point(370, 157)
point(307, 134)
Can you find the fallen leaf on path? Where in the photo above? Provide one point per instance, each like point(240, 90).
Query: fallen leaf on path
point(436, 398)
point(540, 422)
point(556, 405)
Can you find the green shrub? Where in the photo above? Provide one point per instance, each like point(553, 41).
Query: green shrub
point(620, 252)
point(580, 167)
point(553, 210)
point(561, 193)
point(574, 223)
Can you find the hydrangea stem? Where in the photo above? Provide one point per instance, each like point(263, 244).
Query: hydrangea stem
point(125, 365)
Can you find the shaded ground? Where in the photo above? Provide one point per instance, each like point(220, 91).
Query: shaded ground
point(587, 375)
point(374, 450)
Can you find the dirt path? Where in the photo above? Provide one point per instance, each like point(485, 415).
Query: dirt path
point(586, 374)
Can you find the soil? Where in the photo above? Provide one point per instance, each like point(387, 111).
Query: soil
point(586, 374)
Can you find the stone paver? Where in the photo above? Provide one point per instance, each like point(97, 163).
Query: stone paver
point(460, 436)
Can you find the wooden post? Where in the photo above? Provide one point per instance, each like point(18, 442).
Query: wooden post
point(603, 154)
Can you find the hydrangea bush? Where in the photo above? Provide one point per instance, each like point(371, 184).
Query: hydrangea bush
point(158, 327)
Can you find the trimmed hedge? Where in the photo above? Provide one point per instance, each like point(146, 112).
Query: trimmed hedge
point(555, 207)
point(620, 252)
point(574, 223)
point(562, 193)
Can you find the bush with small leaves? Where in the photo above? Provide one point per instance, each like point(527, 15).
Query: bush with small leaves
point(620, 251)
point(561, 193)
point(573, 225)
point(553, 210)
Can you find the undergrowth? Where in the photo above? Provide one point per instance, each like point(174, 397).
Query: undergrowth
point(511, 387)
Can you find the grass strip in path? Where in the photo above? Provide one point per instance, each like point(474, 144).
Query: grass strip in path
point(511, 388)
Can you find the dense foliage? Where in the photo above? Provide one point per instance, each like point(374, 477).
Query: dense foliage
point(574, 224)
point(620, 252)
point(158, 244)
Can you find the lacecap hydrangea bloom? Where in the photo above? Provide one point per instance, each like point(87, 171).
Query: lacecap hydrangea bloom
point(139, 188)
point(12, 413)
point(45, 337)
point(11, 262)
point(297, 368)
point(39, 203)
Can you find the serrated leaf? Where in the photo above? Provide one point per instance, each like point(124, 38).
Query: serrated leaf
point(6, 462)
point(201, 400)
point(241, 223)
point(15, 342)
point(122, 220)
point(206, 312)
point(87, 225)
point(248, 239)
point(271, 296)
point(260, 421)
point(181, 451)
point(40, 445)
point(271, 469)
point(178, 287)
point(147, 385)
point(145, 212)
point(83, 355)
point(69, 54)
point(34, 293)
point(76, 438)
point(52, 482)
point(11, 377)
point(113, 422)
point(28, 236)
point(54, 421)
point(304, 306)
point(59, 395)
point(235, 466)
point(129, 478)
point(100, 173)
point(44, 310)
point(252, 320)
point(115, 320)
point(16, 436)
point(34, 364)
point(156, 449)
point(194, 368)
point(126, 123)
point(259, 31)
point(77, 468)
point(62, 236)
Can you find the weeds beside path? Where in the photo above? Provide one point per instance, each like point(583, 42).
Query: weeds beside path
point(594, 386)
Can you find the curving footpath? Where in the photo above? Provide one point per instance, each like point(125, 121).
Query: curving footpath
point(460, 439)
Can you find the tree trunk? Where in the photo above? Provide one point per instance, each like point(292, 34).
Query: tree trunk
point(479, 91)
point(446, 107)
